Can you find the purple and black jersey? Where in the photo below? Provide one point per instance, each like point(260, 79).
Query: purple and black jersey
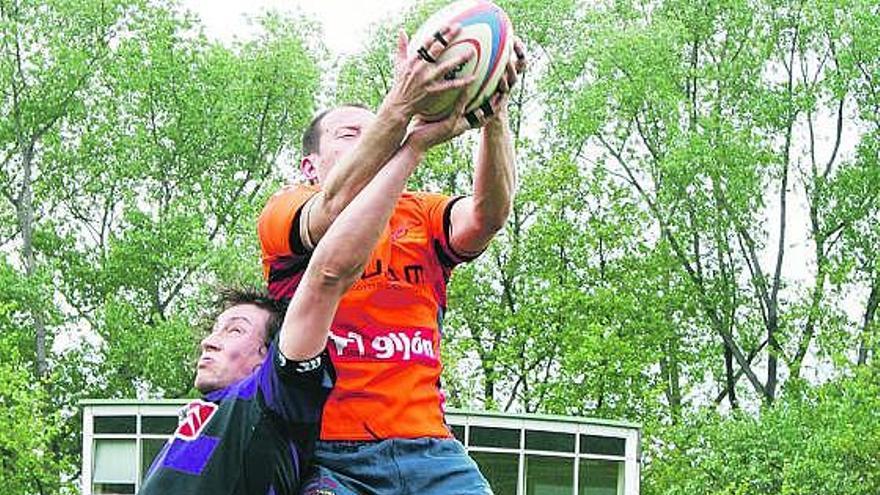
point(253, 437)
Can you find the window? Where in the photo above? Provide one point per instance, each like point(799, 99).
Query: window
point(550, 441)
point(115, 424)
point(458, 432)
point(150, 448)
point(158, 425)
point(483, 436)
point(600, 477)
point(501, 470)
point(591, 444)
point(114, 471)
point(549, 475)
point(113, 489)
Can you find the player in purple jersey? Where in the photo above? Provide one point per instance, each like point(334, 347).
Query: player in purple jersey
point(253, 429)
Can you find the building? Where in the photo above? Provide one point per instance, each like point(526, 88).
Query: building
point(519, 454)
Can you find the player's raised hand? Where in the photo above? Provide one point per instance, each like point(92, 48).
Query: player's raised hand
point(515, 67)
point(420, 76)
point(424, 135)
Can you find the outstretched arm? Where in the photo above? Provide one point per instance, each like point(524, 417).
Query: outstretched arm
point(341, 258)
point(416, 81)
point(475, 219)
point(343, 254)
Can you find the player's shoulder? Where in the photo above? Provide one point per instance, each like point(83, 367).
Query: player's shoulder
point(297, 188)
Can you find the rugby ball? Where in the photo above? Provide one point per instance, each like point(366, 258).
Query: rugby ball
point(486, 31)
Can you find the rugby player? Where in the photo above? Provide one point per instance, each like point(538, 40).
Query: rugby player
point(253, 430)
point(383, 428)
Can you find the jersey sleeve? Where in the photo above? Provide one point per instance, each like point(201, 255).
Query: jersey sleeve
point(293, 390)
point(437, 209)
point(278, 226)
point(284, 257)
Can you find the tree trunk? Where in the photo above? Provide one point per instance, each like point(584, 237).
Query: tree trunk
point(752, 355)
point(867, 340)
point(488, 385)
point(25, 214)
point(815, 301)
point(671, 372)
point(731, 378)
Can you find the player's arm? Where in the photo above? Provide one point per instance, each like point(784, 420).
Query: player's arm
point(340, 258)
point(476, 219)
point(343, 254)
point(415, 82)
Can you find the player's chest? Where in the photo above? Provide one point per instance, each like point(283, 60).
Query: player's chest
point(233, 449)
point(404, 255)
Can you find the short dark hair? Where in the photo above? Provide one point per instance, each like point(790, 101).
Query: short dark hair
point(311, 139)
point(239, 295)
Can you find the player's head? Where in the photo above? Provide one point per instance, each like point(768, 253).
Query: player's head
point(239, 338)
point(331, 134)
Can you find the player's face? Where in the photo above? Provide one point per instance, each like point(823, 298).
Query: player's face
point(341, 130)
point(234, 349)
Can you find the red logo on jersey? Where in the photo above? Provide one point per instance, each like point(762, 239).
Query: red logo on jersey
point(194, 418)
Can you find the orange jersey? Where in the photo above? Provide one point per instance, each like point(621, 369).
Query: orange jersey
point(385, 338)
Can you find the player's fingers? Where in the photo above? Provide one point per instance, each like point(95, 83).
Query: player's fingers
point(487, 111)
point(519, 51)
point(417, 121)
point(480, 115)
point(438, 42)
point(460, 103)
point(503, 85)
point(461, 125)
point(498, 100)
point(449, 84)
point(402, 44)
point(510, 76)
point(473, 119)
point(449, 68)
point(459, 122)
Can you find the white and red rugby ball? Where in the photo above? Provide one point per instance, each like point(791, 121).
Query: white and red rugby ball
point(485, 30)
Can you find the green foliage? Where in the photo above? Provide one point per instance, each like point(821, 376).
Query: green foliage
point(135, 155)
point(824, 440)
point(690, 229)
point(646, 272)
point(27, 432)
point(30, 428)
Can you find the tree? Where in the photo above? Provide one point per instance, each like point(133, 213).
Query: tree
point(703, 111)
point(824, 442)
point(136, 156)
point(693, 243)
point(27, 427)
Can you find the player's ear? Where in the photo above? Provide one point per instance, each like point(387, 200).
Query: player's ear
point(261, 352)
point(309, 167)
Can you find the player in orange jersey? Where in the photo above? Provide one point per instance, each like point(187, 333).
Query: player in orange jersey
point(383, 428)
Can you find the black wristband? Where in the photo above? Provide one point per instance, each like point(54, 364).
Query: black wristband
point(299, 367)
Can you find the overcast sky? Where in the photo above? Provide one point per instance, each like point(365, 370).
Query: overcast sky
point(345, 22)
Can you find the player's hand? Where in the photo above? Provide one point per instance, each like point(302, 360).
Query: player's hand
point(419, 77)
point(515, 67)
point(424, 135)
